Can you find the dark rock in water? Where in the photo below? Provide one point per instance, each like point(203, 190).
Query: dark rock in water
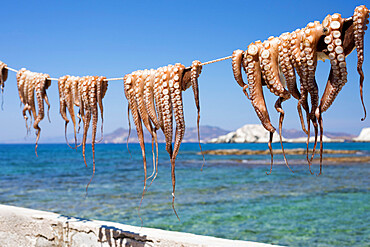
point(295, 151)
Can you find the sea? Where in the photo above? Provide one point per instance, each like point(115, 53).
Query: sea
point(231, 197)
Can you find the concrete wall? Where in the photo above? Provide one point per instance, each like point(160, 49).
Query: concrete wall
point(27, 227)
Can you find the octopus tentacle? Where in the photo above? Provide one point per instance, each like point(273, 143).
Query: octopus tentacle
point(333, 39)
point(332, 89)
point(85, 111)
point(166, 103)
point(251, 64)
point(3, 78)
point(101, 88)
point(129, 129)
point(63, 104)
point(333, 25)
point(27, 83)
point(150, 108)
point(305, 61)
point(81, 111)
point(70, 102)
point(83, 93)
point(310, 38)
point(295, 51)
point(154, 97)
point(46, 99)
point(139, 96)
point(270, 69)
point(129, 87)
point(176, 100)
point(94, 113)
point(34, 85)
point(196, 69)
point(21, 85)
point(31, 82)
point(167, 108)
point(286, 63)
point(76, 99)
point(149, 98)
point(157, 97)
point(41, 87)
point(360, 20)
point(270, 72)
point(237, 59)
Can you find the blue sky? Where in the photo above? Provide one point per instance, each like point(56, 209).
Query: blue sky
point(112, 38)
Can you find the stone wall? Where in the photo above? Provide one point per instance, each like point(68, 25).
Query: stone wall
point(27, 227)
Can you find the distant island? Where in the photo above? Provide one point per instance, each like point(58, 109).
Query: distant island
point(256, 133)
point(249, 133)
point(253, 133)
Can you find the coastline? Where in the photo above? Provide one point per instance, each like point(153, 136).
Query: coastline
point(349, 158)
point(29, 227)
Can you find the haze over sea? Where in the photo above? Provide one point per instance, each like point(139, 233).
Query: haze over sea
point(231, 198)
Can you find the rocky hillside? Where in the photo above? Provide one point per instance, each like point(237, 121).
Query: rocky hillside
point(191, 135)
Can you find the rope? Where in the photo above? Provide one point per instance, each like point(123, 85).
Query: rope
point(214, 61)
point(14, 70)
point(121, 78)
point(217, 60)
point(114, 79)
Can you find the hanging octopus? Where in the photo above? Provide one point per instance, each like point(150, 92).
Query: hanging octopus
point(67, 86)
point(270, 72)
point(3, 77)
point(262, 59)
point(304, 56)
point(196, 69)
point(28, 83)
point(299, 51)
point(131, 91)
point(154, 98)
point(287, 64)
point(251, 65)
point(87, 93)
point(360, 20)
point(341, 37)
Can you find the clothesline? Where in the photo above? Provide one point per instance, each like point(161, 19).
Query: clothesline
point(121, 78)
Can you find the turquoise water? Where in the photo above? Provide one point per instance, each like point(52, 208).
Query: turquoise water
point(231, 198)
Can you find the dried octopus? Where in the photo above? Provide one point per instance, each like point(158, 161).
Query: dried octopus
point(260, 65)
point(154, 97)
point(28, 83)
point(87, 94)
point(3, 77)
point(342, 36)
point(299, 51)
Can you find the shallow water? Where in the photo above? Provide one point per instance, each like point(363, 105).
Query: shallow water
point(231, 198)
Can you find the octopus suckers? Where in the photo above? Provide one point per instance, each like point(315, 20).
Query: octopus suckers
point(252, 50)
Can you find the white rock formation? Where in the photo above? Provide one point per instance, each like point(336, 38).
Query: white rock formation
point(364, 136)
point(247, 133)
point(256, 133)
